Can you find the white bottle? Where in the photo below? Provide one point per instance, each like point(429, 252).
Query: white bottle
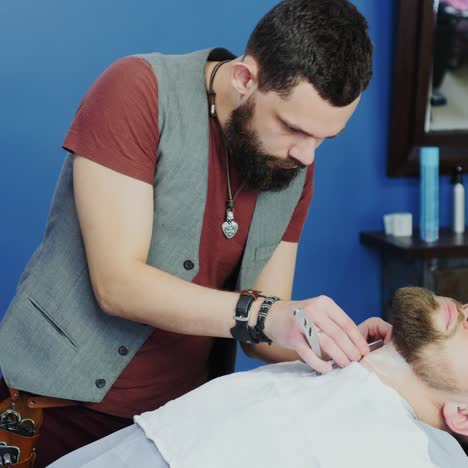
point(458, 201)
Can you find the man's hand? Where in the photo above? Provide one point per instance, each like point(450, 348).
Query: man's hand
point(374, 329)
point(340, 338)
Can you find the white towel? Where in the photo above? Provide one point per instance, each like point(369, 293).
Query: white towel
point(283, 415)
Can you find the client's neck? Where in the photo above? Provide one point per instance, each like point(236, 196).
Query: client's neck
point(395, 372)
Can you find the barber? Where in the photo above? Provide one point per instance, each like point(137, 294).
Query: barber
point(174, 227)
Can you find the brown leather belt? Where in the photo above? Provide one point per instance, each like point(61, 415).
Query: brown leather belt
point(43, 402)
point(49, 402)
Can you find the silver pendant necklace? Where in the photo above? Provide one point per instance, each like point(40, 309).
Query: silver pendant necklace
point(230, 226)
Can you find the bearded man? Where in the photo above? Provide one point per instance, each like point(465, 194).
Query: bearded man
point(183, 195)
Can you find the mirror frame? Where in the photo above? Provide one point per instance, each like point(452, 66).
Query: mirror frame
point(412, 71)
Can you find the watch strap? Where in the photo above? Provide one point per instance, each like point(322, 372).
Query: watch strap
point(241, 330)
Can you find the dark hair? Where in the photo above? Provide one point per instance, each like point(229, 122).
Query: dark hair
point(322, 41)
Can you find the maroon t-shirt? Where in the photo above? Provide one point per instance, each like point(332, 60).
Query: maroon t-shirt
point(116, 125)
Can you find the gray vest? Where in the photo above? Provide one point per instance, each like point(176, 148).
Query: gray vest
point(54, 339)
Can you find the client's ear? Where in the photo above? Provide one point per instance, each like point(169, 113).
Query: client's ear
point(456, 417)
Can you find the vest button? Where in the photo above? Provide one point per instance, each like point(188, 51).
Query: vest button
point(188, 265)
point(100, 383)
point(123, 350)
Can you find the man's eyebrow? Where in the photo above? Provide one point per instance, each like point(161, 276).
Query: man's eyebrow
point(300, 130)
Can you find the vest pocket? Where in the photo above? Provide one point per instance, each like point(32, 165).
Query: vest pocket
point(41, 311)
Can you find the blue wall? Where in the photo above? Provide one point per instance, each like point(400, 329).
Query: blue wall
point(53, 50)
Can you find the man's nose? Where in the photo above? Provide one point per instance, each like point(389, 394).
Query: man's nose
point(303, 152)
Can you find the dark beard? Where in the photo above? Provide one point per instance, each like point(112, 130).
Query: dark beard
point(414, 333)
point(252, 164)
point(412, 310)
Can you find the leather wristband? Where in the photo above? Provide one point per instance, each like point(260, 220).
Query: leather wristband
point(257, 331)
point(241, 331)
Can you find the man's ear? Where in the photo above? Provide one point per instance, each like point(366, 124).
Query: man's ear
point(244, 76)
point(456, 417)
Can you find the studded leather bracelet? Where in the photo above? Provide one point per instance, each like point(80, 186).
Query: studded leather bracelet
point(257, 331)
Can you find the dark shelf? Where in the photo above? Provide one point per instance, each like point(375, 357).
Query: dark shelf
point(448, 245)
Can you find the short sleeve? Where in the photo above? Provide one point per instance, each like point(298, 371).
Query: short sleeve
point(296, 225)
point(116, 124)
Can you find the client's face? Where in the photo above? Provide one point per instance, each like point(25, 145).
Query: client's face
point(431, 333)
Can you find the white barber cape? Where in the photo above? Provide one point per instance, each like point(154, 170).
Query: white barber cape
point(283, 415)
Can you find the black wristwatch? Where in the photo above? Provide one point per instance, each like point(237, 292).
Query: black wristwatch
point(241, 331)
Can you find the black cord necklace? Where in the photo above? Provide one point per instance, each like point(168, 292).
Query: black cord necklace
point(229, 227)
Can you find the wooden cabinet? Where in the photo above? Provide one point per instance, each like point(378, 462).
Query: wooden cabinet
point(440, 266)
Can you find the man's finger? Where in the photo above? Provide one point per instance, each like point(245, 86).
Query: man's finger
point(331, 349)
point(383, 329)
point(334, 334)
point(388, 338)
point(350, 329)
point(376, 328)
point(310, 358)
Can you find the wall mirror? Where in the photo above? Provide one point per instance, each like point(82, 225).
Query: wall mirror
point(430, 85)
